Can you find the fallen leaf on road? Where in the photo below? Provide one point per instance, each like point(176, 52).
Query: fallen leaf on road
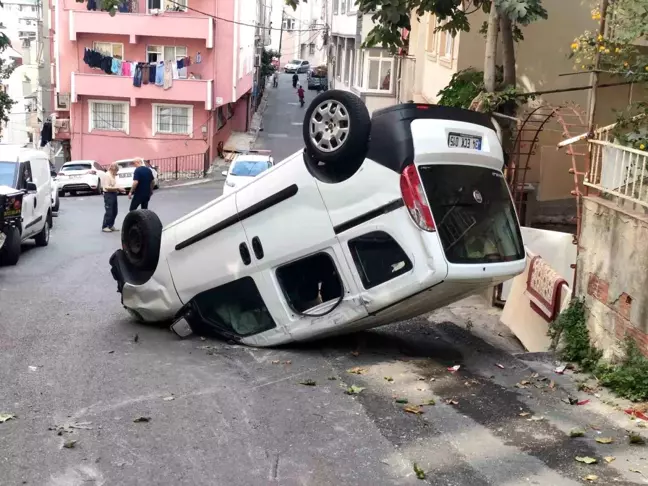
point(421, 378)
point(168, 399)
point(332, 378)
point(609, 459)
point(635, 471)
point(389, 378)
point(591, 477)
point(577, 433)
point(402, 400)
point(500, 366)
point(535, 418)
point(636, 439)
point(142, 419)
point(525, 414)
point(111, 352)
point(415, 409)
point(453, 369)
point(308, 383)
point(136, 338)
point(604, 440)
point(288, 362)
point(354, 390)
point(429, 402)
point(637, 414)
point(586, 459)
point(70, 444)
point(583, 402)
point(450, 401)
point(275, 361)
point(6, 416)
point(522, 384)
point(357, 371)
point(419, 472)
point(642, 425)
point(552, 385)
point(33, 368)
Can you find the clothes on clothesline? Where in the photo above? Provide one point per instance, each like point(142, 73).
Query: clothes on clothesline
point(94, 5)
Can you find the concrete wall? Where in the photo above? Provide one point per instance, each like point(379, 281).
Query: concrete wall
point(613, 274)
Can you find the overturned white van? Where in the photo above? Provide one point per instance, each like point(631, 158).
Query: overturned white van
point(374, 221)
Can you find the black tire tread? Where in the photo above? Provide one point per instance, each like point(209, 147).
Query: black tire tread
point(10, 251)
point(41, 238)
point(151, 228)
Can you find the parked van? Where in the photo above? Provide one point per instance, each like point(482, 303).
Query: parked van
point(26, 170)
point(374, 221)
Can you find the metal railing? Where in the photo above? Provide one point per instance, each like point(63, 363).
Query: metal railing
point(193, 166)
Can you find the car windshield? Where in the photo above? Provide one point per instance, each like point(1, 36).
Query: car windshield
point(126, 165)
point(8, 173)
point(250, 168)
point(295, 61)
point(67, 168)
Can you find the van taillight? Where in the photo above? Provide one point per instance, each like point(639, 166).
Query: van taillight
point(414, 198)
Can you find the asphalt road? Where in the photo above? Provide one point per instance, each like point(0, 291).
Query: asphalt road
point(73, 366)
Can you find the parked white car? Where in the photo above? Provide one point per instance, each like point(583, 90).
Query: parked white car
point(56, 200)
point(244, 168)
point(126, 171)
point(80, 176)
point(297, 66)
point(26, 170)
point(375, 221)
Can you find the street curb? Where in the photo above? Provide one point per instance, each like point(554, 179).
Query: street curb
point(192, 183)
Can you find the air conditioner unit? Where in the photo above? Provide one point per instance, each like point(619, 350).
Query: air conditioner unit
point(63, 101)
point(154, 11)
point(60, 125)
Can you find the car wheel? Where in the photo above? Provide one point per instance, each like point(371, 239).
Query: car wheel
point(10, 251)
point(73, 193)
point(336, 128)
point(99, 190)
point(57, 204)
point(61, 194)
point(42, 238)
point(141, 236)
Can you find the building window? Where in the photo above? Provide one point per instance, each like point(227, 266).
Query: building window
point(311, 49)
point(430, 44)
point(359, 78)
point(348, 61)
point(167, 53)
point(112, 49)
point(109, 115)
point(289, 24)
point(168, 5)
point(335, 7)
point(343, 6)
point(338, 59)
point(351, 6)
point(378, 258)
point(177, 119)
point(446, 45)
point(378, 67)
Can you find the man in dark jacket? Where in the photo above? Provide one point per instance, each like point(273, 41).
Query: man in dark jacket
point(295, 79)
point(143, 182)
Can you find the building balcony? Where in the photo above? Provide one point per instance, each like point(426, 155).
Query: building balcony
point(166, 24)
point(102, 85)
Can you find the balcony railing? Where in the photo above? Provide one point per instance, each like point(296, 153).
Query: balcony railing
point(193, 166)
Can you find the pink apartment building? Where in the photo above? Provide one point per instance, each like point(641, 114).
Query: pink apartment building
point(208, 50)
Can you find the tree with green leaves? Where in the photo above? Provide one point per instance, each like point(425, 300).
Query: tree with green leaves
point(616, 52)
point(6, 68)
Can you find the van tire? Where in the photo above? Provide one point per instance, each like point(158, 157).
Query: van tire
point(353, 130)
point(57, 205)
point(42, 238)
point(10, 251)
point(141, 237)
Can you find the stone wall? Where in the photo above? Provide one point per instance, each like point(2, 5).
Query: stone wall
point(613, 274)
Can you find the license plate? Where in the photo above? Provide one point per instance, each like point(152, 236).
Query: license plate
point(76, 176)
point(12, 213)
point(459, 140)
point(124, 175)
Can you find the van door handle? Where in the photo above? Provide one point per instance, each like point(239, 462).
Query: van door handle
point(257, 247)
point(245, 254)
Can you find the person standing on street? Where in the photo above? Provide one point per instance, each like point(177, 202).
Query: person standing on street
point(295, 78)
point(110, 191)
point(143, 183)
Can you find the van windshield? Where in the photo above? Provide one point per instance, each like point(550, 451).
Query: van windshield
point(473, 213)
point(8, 174)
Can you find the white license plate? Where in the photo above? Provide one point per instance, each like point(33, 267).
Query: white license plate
point(459, 140)
point(124, 175)
point(76, 176)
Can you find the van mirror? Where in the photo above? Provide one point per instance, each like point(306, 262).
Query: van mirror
point(32, 187)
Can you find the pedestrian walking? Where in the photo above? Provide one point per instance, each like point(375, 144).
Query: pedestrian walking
point(295, 78)
point(110, 191)
point(143, 183)
point(300, 94)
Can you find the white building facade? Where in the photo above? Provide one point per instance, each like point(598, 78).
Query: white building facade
point(304, 32)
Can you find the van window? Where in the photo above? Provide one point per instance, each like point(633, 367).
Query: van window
point(309, 282)
point(236, 307)
point(26, 175)
point(8, 174)
point(473, 213)
point(378, 258)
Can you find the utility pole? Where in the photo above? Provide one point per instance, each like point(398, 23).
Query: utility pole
point(281, 34)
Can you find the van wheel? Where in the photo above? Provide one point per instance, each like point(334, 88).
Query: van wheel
point(99, 190)
point(57, 204)
point(336, 128)
point(141, 238)
point(42, 238)
point(10, 251)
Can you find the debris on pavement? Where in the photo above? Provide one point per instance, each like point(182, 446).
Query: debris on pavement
point(169, 398)
point(357, 370)
point(70, 443)
point(275, 361)
point(354, 390)
point(536, 418)
point(500, 366)
point(609, 459)
point(636, 439)
point(525, 414)
point(418, 471)
point(414, 409)
point(6, 416)
point(591, 477)
point(429, 401)
point(33, 368)
point(142, 419)
point(450, 401)
point(454, 369)
point(577, 433)
point(586, 459)
point(308, 383)
point(401, 400)
point(560, 369)
point(332, 378)
point(637, 414)
point(389, 379)
point(582, 402)
point(136, 338)
point(604, 440)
